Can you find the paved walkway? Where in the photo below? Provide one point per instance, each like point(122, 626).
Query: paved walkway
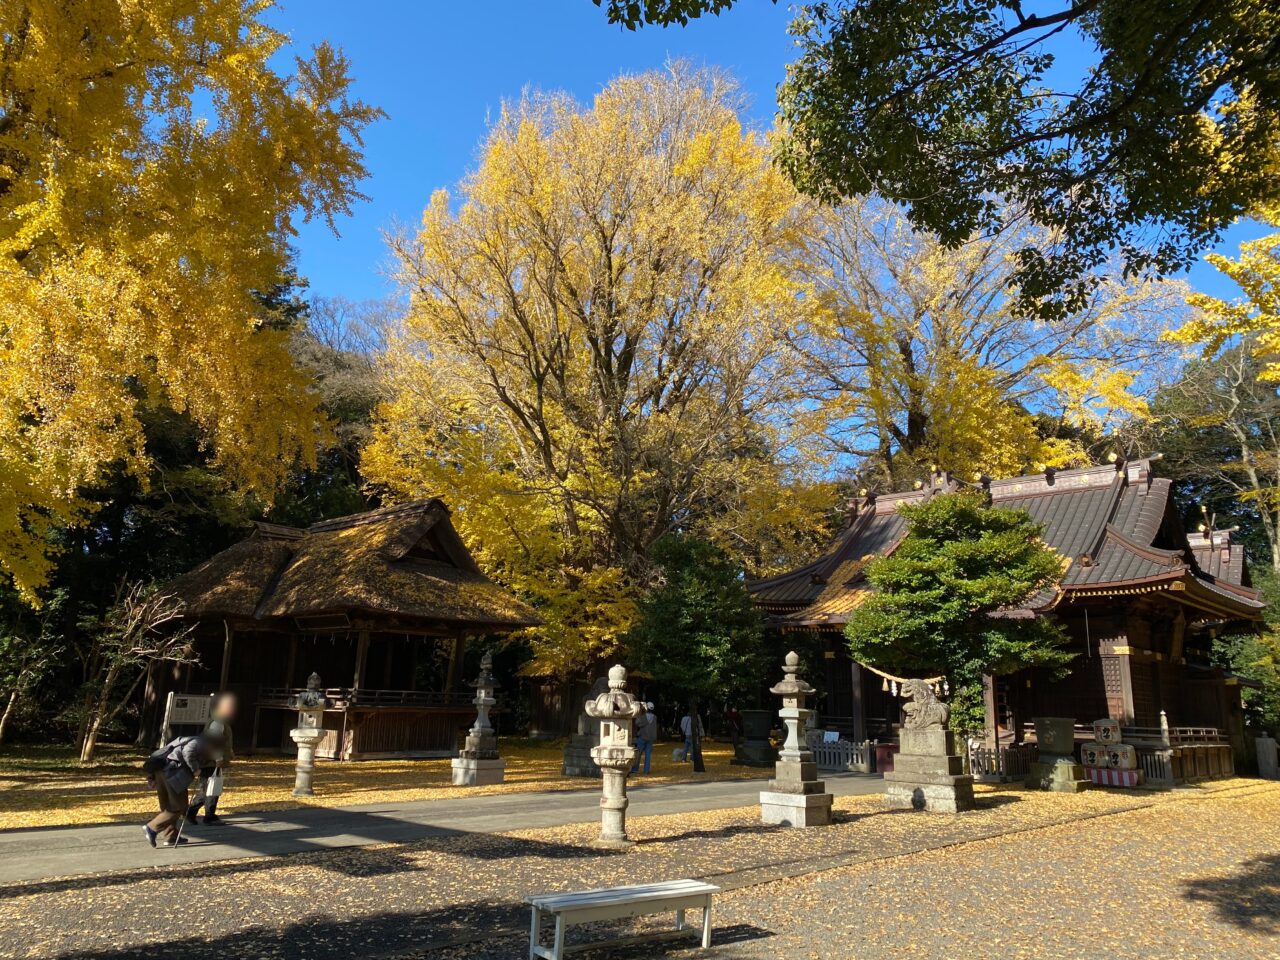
point(41, 853)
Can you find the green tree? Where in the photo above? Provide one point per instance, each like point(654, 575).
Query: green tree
point(961, 111)
point(698, 635)
point(1218, 427)
point(939, 596)
point(1257, 656)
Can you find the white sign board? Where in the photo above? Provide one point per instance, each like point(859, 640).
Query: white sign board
point(184, 708)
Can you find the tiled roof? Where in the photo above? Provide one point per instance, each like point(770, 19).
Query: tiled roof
point(1106, 522)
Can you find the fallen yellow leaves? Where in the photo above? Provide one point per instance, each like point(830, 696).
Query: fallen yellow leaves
point(43, 788)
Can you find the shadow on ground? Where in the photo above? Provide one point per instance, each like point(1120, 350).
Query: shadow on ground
point(302, 835)
point(1248, 897)
point(387, 935)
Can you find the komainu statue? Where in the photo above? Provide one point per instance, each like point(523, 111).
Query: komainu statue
point(924, 710)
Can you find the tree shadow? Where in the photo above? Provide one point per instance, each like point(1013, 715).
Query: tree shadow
point(302, 835)
point(500, 925)
point(1248, 898)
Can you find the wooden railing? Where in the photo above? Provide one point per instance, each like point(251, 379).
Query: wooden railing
point(1004, 763)
point(842, 755)
point(346, 698)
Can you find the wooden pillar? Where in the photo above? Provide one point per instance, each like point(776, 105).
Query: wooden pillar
point(292, 667)
point(228, 636)
point(858, 703)
point(414, 644)
point(388, 657)
point(455, 665)
point(990, 711)
point(362, 657)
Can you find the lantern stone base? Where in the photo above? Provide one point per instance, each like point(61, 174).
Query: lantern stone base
point(1059, 774)
point(468, 772)
point(795, 809)
point(926, 774)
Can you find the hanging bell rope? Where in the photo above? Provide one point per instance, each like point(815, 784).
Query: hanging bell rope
point(890, 683)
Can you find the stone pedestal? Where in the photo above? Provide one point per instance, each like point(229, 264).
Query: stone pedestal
point(577, 752)
point(755, 750)
point(478, 763)
point(796, 797)
point(1056, 768)
point(927, 773)
point(616, 711)
point(306, 738)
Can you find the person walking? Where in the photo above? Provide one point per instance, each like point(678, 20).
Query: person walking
point(213, 777)
point(733, 723)
point(646, 736)
point(690, 728)
point(170, 772)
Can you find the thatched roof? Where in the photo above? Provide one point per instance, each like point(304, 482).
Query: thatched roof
point(405, 562)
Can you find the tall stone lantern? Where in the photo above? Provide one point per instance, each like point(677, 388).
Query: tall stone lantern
point(617, 711)
point(796, 797)
point(308, 733)
point(477, 763)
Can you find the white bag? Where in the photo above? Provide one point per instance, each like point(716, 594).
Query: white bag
point(214, 787)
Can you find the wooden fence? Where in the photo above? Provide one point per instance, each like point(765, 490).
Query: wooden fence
point(842, 755)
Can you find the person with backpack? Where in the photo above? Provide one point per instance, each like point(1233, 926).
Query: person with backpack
point(170, 772)
point(212, 778)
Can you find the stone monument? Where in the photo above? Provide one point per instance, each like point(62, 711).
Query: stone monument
point(796, 797)
point(477, 763)
point(1107, 761)
point(1268, 758)
point(616, 710)
point(755, 750)
point(1056, 768)
point(308, 734)
point(926, 772)
point(577, 760)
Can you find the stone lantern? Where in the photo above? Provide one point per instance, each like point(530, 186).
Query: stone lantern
point(477, 763)
point(617, 711)
point(308, 733)
point(796, 797)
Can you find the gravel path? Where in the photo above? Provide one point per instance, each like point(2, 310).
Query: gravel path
point(1189, 873)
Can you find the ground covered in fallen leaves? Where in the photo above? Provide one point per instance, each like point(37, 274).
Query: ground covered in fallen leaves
point(47, 786)
point(1191, 873)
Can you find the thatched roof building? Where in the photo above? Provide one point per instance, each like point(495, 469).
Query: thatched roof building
point(381, 600)
point(403, 563)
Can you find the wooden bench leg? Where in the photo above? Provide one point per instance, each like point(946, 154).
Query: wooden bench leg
point(706, 923)
point(557, 952)
point(679, 919)
point(535, 933)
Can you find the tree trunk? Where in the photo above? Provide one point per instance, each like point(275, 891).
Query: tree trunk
point(695, 739)
point(8, 712)
point(97, 716)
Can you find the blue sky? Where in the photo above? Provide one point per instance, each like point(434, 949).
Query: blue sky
point(441, 69)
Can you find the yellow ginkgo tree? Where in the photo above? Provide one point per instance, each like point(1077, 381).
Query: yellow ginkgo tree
point(1256, 315)
point(594, 356)
point(153, 159)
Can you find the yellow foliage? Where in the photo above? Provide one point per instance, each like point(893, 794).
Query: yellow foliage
point(151, 165)
point(594, 355)
point(1257, 272)
point(915, 354)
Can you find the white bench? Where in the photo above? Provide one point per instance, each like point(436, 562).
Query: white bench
point(618, 903)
